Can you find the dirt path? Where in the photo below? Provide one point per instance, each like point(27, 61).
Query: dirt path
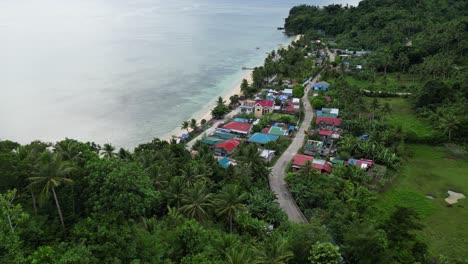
point(277, 183)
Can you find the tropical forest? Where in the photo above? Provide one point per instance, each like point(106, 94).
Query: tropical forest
point(397, 72)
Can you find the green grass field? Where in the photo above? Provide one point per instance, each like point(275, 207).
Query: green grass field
point(402, 115)
point(391, 84)
point(433, 171)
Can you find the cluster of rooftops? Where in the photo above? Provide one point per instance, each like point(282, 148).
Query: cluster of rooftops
point(328, 129)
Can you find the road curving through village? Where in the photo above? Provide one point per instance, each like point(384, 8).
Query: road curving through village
point(277, 182)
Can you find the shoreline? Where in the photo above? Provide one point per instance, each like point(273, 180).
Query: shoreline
point(206, 113)
point(235, 90)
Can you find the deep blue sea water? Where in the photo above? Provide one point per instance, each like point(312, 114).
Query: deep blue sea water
point(125, 71)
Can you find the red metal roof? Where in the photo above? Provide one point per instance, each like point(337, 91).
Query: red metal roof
point(266, 130)
point(229, 145)
point(266, 103)
point(325, 133)
point(322, 167)
point(238, 126)
point(335, 121)
point(301, 160)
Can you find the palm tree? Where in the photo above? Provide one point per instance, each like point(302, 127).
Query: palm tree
point(52, 172)
point(220, 101)
point(274, 251)
point(69, 150)
point(108, 151)
point(229, 201)
point(175, 191)
point(239, 255)
point(448, 122)
point(193, 124)
point(185, 125)
point(197, 201)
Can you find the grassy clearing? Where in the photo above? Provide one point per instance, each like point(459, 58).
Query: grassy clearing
point(405, 83)
point(402, 115)
point(433, 171)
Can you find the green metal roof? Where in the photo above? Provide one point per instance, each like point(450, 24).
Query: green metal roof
point(327, 115)
point(226, 136)
point(315, 145)
point(212, 141)
point(337, 161)
point(277, 131)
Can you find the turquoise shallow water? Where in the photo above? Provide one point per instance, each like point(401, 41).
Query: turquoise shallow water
point(124, 71)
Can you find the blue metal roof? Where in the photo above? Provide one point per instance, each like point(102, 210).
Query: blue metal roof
point(224, 162)
point(262, 138)
point(241, 120)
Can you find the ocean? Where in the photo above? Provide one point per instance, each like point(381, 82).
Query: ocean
point(125, 72)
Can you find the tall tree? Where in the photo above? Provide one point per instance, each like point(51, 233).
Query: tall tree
point(52, 172)
point(274, 250)
point(193, 124)
point(108, 151)
point(197, 201)
point(229, 201)
point(325, 253)
point(185, 125)
point(448, 123)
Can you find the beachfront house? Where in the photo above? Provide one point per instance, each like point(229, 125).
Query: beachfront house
point(224, 135)
point(247, 106)
point(226, 148)
point(263, 107)
point(262, 138)
point(212, 141)
point(238, 128)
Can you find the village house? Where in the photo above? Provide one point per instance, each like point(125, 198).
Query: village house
point(288, 92)
point(364, 164)
point(263, 107)
point(223, 135)
point(212, 141)
point(238, 128)
point(227, 147)
point(321, 86)
point(300, 161)
point(267, 154)
point(313, 147)
point(328, 112)
point(262, 139)
point(328, 123)
point(247, 106)
point(225, 162)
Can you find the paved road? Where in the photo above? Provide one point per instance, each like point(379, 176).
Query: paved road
point(277, 183)
point(212, 129)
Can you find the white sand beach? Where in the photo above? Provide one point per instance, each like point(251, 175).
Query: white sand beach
point(205, 113)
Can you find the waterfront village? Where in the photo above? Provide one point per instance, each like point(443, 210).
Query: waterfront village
point(272, 121)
